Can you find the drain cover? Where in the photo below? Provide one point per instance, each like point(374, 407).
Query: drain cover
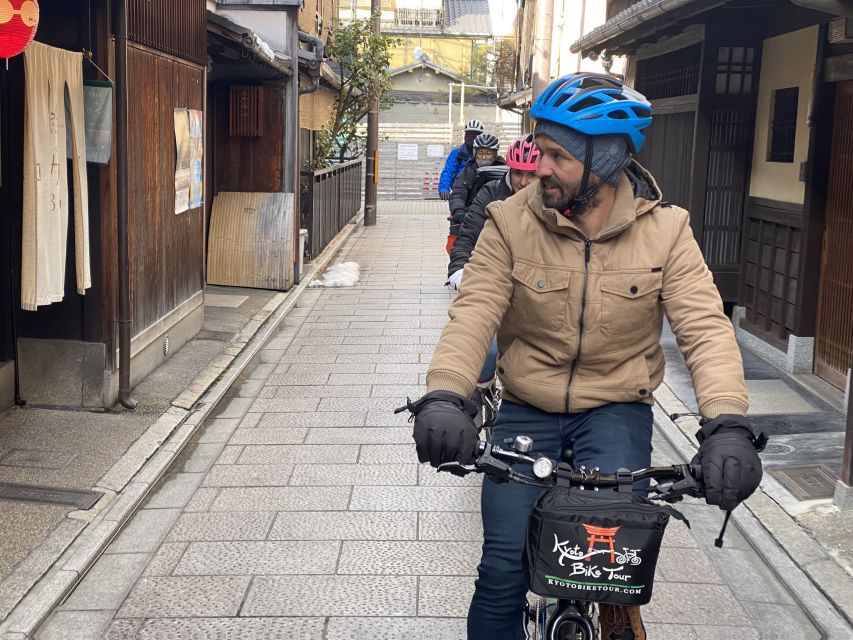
point(777, 449)
point(811, 482)
point(50, 495)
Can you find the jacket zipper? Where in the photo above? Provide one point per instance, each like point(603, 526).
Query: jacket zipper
point(587, 247)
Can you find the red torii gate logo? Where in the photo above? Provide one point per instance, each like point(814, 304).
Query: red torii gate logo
point(601, 535)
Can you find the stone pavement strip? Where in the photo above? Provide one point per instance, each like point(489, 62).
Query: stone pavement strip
point(299, 511)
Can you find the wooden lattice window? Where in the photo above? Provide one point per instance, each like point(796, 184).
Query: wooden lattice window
point(783, 125)
point(670, 74)
point(735, 70)
point(246, 111)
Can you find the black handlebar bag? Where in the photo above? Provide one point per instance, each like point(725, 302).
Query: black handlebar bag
point(600, 546)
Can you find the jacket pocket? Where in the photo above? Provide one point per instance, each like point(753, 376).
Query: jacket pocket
point(628, 301)
point(540, 295)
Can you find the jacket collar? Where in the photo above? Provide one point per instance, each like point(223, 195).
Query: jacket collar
point(636, 193)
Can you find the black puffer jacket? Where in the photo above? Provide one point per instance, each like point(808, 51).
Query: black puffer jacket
point(466, 186)
point(472, 225)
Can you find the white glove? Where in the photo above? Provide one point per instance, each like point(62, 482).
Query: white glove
point(455, 280)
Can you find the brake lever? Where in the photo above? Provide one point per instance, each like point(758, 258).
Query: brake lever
point(457, 468)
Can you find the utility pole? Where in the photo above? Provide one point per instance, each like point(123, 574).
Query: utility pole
point(372, 173)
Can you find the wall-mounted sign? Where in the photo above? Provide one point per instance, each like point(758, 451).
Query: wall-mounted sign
point(407, 152)
point(435, 151)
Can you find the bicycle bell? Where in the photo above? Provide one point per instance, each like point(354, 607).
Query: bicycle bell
point(523, 444)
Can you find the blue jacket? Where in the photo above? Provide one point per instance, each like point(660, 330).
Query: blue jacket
point(456, 160)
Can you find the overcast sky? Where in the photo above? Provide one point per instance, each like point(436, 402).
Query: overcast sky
point(503, 13)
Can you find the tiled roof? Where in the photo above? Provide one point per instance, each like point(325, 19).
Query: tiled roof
point(468, 17)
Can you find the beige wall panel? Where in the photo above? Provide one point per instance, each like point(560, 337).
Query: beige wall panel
point(786, 61)
point(315, 109)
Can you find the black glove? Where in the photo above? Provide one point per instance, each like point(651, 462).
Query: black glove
point(444, 195)
point(444, 428)
point(728, 454)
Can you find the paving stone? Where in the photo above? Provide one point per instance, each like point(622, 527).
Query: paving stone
point(248, 475)
point(209, 527)
point(405, 368)
point(380, 339)
point(755, 584)
point(677, 566)
point(262, 371)
point(330, 390)
point(401, 392)
point(380, 357)
point(674, 632)
point(336, 349)
point(123, 630)
point(332, 595)
point(220, 429)
point(281, 498)
point(318, 377)
point(729, 633)
point(353, 474)
point(145, 531)
point(359, 435)
point(444, 597)
point(76, 625)
point(258, 557)
point(398, 378)
point(781, 621)
point(312, 358)
point(360, 404)
point(407, 558)
point(285, 405)
point(203, 498)
point(298, 454)
point(232, 408)
point(185, 597)
point(437, 525)
point(199, 457)
point(313, 419)
point(395, 629)
point(415, 499)
point(388, 454)
point(344, 525)
point(174, 491)
point(105, 586)
point(684, 603)
point(275, 435)
point(166, 559)
point(678, 535)
point(233, 629)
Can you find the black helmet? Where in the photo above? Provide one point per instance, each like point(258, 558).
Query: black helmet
point(487, 141)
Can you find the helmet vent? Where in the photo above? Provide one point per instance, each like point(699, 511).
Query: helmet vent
point(586, 103)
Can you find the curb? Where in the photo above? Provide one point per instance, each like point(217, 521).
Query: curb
point(130, 479)
point(772, 533)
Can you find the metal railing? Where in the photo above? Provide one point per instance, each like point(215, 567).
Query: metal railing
point(330, 199)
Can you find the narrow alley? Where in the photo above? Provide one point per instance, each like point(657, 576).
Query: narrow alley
point(299, 509)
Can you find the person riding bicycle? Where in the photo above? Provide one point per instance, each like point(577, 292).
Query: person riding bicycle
point(575, 274)
point(521, 158)
point(485, 166)
point(458, 158)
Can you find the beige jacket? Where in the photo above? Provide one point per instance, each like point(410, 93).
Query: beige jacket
point(579, 320)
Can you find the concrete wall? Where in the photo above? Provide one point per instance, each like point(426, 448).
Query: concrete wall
point(421, 79)
point(271, 26)
point(787, 61)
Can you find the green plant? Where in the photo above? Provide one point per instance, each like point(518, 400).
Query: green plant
point(364, 59)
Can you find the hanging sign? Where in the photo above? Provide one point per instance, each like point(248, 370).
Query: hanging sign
point(19, 20)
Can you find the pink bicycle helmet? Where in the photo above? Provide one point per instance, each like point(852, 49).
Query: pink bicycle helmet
point(523, 154)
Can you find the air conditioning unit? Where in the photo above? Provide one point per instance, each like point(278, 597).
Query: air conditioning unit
point(839, 31)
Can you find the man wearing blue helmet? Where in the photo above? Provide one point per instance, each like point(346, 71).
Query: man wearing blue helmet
point(575, 274)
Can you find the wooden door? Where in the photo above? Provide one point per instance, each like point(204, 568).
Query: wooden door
point(834, 333)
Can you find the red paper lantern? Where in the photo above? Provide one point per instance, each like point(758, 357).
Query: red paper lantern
point(19, 20)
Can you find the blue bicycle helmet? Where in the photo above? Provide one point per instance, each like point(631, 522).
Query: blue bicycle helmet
point(595, 105)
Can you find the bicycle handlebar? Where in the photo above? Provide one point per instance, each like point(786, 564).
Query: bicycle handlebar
point(672, 482)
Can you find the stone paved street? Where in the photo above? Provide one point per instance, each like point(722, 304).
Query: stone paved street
point(299, 511)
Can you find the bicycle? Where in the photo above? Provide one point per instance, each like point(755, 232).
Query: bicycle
point(564, 619)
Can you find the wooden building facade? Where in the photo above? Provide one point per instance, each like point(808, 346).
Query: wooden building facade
point(753, 132)
point(66, 353)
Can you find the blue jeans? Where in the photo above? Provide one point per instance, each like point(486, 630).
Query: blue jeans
point(491, 363)
point(609, 437)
